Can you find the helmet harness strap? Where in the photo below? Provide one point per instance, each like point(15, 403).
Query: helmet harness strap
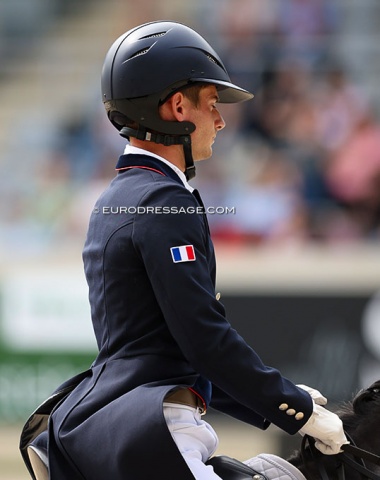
point(143, 134)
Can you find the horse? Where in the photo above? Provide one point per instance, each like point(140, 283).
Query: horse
point(361, 421)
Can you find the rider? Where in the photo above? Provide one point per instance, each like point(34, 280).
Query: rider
point(166, 349)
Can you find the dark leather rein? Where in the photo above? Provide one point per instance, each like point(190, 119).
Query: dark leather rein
point(352, 456)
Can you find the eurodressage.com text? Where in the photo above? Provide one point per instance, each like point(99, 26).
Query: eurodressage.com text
point(165, 210)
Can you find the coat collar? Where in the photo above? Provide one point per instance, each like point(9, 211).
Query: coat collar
point(134, 151)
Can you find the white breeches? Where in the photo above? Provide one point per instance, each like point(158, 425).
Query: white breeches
point(195, 438)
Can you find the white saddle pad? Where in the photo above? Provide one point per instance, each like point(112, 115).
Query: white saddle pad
point(274, 467)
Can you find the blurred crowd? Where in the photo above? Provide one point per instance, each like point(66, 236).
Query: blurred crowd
point(305, 159)
point(299, 163)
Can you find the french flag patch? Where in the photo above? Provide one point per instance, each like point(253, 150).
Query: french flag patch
point(184, 253)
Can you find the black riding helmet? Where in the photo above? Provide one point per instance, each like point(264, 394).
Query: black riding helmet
point(148, 64)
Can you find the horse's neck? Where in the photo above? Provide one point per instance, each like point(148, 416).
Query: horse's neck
point(308, 469)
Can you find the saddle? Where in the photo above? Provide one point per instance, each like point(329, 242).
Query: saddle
point(229, 468)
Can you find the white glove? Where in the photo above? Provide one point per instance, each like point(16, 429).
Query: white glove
point(327, 429)
point(316, 395)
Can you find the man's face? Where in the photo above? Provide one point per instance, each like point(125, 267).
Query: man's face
point(207, 121)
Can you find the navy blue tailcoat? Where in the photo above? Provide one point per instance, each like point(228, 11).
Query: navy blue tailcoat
point(158, 326)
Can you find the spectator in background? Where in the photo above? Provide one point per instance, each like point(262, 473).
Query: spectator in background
point(339, 106)
point(353, 176)
point(269, 207)
point(303, 25)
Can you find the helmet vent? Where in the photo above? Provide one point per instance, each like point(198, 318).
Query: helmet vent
point(154, 35)
point(140, 52)
point(213, 60)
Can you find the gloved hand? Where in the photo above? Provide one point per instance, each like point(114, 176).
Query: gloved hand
point(316, 395)
point(327, 429)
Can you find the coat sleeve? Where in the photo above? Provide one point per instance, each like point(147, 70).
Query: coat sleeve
point(186, 295)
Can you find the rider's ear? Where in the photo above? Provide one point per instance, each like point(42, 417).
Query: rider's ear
point(173, 109)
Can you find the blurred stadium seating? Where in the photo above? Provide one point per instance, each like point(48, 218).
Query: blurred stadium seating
point(282, 163)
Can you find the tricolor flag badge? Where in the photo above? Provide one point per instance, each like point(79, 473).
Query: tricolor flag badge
point(184, 253)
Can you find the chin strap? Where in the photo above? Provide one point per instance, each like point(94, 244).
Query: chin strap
point(189, 161)
point(185, 140)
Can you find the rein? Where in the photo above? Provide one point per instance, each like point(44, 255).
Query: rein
point(352, 456)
